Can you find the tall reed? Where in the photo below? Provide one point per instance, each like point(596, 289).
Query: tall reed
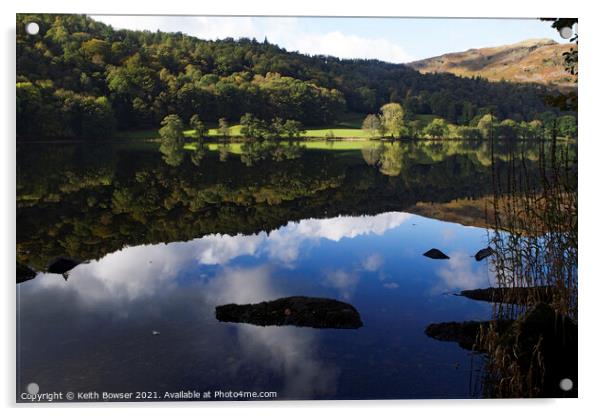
point(535, 243)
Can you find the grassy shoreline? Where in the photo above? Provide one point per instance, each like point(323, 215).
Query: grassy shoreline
point(143, 138)
point(349, 128)
point(315, 133)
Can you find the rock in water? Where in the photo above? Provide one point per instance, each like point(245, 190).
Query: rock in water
point(484, 253)
point(464, 333)
point(513, 295)
point(62, 265)
point(295, 310)
point(433, 253)
point(24, 273)
point(541, 345)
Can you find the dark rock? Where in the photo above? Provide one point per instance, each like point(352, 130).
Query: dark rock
point(512, 295)
point(62, 265)
point(24, 273)
point(295, 310)
point(433, 253)
point(464, 333)
point(541, 345)
point(483, 253)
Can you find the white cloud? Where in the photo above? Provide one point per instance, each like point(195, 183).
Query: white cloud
point(448, 234)
point(127, 274)
point(285, 243)
point(349, 46)
point(461, 271)
point(288, 351)
point(293, 353)
point(219, 249)
point(287, 32)
point(242, 285)
point(372, 263)
point(141, 271)
point(107, 287)
point(347, 227)
point(344, 282)
point(202, 27)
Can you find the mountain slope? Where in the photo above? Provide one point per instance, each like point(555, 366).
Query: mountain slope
point(79, 78)
point(534, 60)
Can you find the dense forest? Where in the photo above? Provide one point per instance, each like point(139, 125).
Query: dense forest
point(79, 78)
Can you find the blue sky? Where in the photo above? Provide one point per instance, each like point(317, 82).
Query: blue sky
point(390, 39)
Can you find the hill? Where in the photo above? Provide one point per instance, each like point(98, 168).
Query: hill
point(79, 78)
point(534, 60)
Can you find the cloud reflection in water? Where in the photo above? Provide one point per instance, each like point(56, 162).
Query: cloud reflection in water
point(136, 284)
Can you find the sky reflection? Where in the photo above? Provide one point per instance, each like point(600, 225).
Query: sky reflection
point(108, 309)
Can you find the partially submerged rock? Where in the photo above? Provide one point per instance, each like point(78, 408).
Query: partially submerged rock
point(63, 265)
point(433, 253)
point(295, 310)
point(464, 333)
point(512, 295)
point(483, 253)
point(537, 350)
point(24, 273)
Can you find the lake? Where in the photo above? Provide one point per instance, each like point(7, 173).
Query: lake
point(163, 245)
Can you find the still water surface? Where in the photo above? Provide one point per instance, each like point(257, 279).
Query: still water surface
point(165, 245)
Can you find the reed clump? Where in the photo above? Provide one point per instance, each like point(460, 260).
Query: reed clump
point(535, 243)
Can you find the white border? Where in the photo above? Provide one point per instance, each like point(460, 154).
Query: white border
point(590, 150)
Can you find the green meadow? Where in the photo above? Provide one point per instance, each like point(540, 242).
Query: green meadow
point(336, 132)
point(349, 127)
